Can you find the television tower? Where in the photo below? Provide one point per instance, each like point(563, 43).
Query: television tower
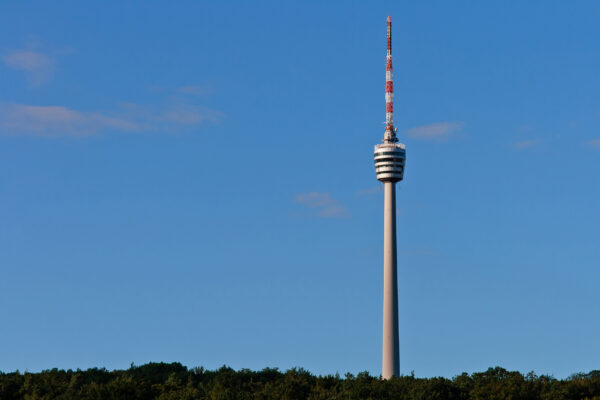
point(389, 168)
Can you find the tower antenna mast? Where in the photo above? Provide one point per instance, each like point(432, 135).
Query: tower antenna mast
point(390, 131)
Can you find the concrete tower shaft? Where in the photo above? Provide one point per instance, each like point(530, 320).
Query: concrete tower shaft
point(390, 360)
point(390, 158)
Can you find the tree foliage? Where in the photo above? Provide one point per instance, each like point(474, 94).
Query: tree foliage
point(175, 381)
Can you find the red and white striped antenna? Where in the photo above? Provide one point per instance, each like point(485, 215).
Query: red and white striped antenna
point(390, 131)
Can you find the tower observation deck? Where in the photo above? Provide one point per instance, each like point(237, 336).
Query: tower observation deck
point(390, 157)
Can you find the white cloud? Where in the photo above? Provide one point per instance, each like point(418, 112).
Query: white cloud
point(594, 143)
point(52, 121)
point(527, 144)
point(435, 131)
point(186, 115)
point(371, 190)
point(38, 66)
point(323, 204)
point(196, 90)
point(525, 128)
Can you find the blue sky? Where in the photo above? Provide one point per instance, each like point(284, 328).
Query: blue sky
point(195, 183)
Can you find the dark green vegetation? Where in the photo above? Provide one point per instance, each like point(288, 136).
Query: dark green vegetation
point(174, 381)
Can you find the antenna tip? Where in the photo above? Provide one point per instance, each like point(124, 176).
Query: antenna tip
point(389, 19)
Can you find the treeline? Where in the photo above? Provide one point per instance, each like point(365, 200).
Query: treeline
point(175, 381)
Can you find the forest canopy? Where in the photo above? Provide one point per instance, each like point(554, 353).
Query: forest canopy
point(175, 381)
